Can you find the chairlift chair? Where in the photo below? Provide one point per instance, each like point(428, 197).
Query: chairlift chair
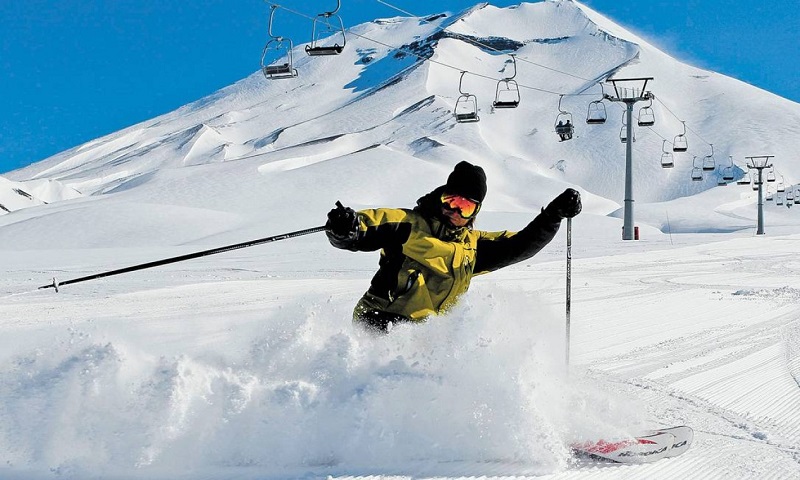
point(667, 159)
point(770, 197)
point(721, 182)
point(679, 144)
point(727, 172)
point(708, 161)
point(466, 109)
point(282, 46)
point(563, 125)
point(782, 185)
point(697, 172)
point(790, 194)
point(647, 118)
point(326, 30)
point(771, 175)
point(797, 198)
point(779, 200)
point(507, 93)
point(596, 112)
point(623, 132)
point(745, 180)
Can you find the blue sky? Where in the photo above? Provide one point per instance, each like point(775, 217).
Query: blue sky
point(74, 70)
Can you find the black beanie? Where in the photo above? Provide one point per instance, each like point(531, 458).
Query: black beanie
point(468, 181)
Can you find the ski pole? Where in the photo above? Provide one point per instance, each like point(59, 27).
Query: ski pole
point(569, 281)
point(181, 258)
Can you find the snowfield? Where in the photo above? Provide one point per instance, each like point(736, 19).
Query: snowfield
point(245, 365)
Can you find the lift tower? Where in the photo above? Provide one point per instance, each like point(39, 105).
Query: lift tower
point(760, 163)
point(629, 96)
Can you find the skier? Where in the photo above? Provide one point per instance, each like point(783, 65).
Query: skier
point(430, 253)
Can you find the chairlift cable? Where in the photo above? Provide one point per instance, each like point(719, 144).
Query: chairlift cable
point(658, 134)
point(679, 118)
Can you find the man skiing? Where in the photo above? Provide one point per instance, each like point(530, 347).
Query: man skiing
point(429, 254)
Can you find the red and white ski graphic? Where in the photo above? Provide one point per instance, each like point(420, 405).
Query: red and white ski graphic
point(643, 449)
point(649, 447)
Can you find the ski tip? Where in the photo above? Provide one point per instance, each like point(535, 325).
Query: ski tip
point(684, 435)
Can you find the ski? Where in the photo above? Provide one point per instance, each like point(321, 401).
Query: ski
point(646, 448)
point(683, 439)
point(640, 449)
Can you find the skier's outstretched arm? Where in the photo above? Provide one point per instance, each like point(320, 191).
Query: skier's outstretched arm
point(367, 230)
point(496, 251)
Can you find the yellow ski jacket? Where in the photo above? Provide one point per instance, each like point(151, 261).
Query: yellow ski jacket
point(426, 263)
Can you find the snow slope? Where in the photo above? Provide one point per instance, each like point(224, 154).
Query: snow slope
point(245, 365)
point(19, 195)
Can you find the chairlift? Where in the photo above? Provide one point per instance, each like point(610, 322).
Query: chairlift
point(790, 194)
point(721, 179)
point(771, 175)
point(755, 184)
point(596, 112)
point(326, 30)
point(770, 197)
point(282, 46)
point(782, 185)
point(779, 200)
point(679, 144)
point(697, 172)
point(623, 132)
point(564, 126)
point(667, 160)
point(727, 172)
point(647, 118)
point(507, 94)
point(797, 198)
point(745, 180)
point(466, 109)
point(708, 161)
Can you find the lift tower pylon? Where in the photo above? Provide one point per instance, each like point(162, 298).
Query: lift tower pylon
point(629, 95)
point(759, 163)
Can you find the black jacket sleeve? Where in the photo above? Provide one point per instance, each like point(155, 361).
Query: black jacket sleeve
point(497, 252)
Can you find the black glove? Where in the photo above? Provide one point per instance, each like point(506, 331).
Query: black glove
point(342, 222)
point(566, 205)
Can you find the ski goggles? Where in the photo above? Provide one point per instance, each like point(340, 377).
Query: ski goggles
point(464, 206)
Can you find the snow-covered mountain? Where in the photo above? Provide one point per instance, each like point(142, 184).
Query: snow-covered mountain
point(346, 118)
point(246, 365)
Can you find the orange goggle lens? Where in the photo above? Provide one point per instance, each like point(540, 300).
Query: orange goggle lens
point(464, 206)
